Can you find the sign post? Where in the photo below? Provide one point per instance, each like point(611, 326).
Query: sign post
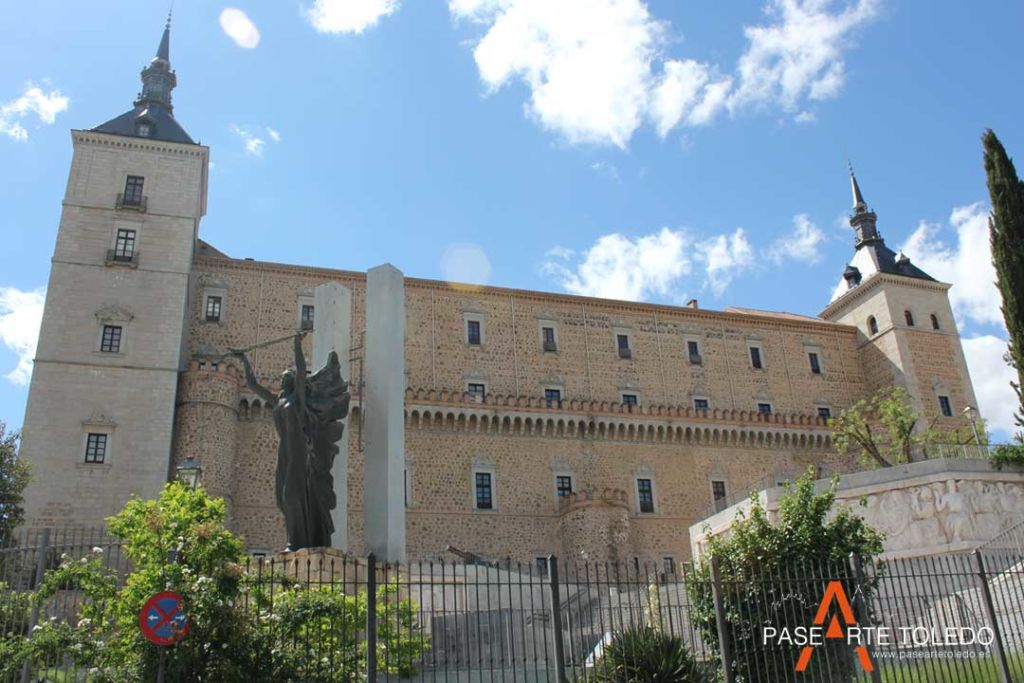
point(163, 622)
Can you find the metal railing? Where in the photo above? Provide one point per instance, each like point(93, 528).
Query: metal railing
point(473, 621)
point(132, 202)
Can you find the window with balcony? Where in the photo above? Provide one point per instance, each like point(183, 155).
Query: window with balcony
point(124, 246)
point(553, 398)
point(133, 191)
point(701, 404)
point(477, 390)
point(622, 343)
point(693, 349)
point(548, 339)
point(307, 316)
point(630, 401)
point(764, 408)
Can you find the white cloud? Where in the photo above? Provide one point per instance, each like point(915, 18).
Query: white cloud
point(967, 264)
point(655, 265)
point(598, 69)
point(800, 54)
point(724, 257)
point(239, 28)
point(44, 105)
point(20, 316)
point(991, 376)
point(348, 16)
point(254, 143)
point(607, 169)
point(801, 245)
point(619, 267)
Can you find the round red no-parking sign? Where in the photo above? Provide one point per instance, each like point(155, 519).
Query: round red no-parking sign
point(162, 619)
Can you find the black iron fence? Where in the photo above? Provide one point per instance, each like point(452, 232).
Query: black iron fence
point(937, 618)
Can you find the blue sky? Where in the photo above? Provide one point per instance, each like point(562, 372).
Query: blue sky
point(655, 150)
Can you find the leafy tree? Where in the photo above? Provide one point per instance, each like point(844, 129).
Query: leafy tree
point(880, 428)
point(241, 627)
point(771, 575)
point(1006, 233)
point(14, 476)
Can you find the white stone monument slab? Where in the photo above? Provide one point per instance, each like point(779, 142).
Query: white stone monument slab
point(384, 407)
point(332, 331)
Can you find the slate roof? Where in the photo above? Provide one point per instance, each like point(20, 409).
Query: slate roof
point(164, 125)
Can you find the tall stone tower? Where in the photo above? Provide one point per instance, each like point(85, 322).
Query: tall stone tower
point(100, 413)
point(906, 332)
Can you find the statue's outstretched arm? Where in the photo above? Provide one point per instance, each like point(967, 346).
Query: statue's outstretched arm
point(250, 379)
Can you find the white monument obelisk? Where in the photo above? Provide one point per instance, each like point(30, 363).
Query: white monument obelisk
point(384, 410)
point(332, 331)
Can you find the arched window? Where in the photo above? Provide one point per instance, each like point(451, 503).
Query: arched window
point(872, 326)
point(909, 318)
point(935, 322)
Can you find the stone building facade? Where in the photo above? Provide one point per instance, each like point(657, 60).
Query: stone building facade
point(536, 423)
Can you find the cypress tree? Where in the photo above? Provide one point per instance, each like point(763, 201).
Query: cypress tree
point(1006, 233)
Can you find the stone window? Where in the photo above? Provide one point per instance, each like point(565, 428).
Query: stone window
point(755, 358)
point(935, 322)
point(124, 245)
point(701, 404)
point(553, 398)
point(307, 316)
point(484, 491)
point(945, 407)
point(95, 448)
point(541, 563)
point(693, 350)
point(548, 341)
point(824, 412)
point(630, 401)
point(668, 565)
point(718, 494)
point(645, 495)
point(473, 333)
point(477, 390)
point(622, 344)
point(909, 317)
point(872, 326)
point(764, 408)
point(563, 485)
point(133, 190)
point(110, 341)
point(213, 308)
point(813, 359)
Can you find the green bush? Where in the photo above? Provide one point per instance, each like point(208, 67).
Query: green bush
point(646, 655)
point(1007, 455)
point(179, 543)
point(770, 574)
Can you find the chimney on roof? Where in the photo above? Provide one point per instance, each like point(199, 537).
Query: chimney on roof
point(692, 303)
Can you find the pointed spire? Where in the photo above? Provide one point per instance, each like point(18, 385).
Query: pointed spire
point(164, 51)
point(859, 205)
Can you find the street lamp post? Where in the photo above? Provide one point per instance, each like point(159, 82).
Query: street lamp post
point(972, 416)
point(189, 472)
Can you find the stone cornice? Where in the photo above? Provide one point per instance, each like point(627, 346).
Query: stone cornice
point(596, 305)
point(874, 282)
point(136, 143)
